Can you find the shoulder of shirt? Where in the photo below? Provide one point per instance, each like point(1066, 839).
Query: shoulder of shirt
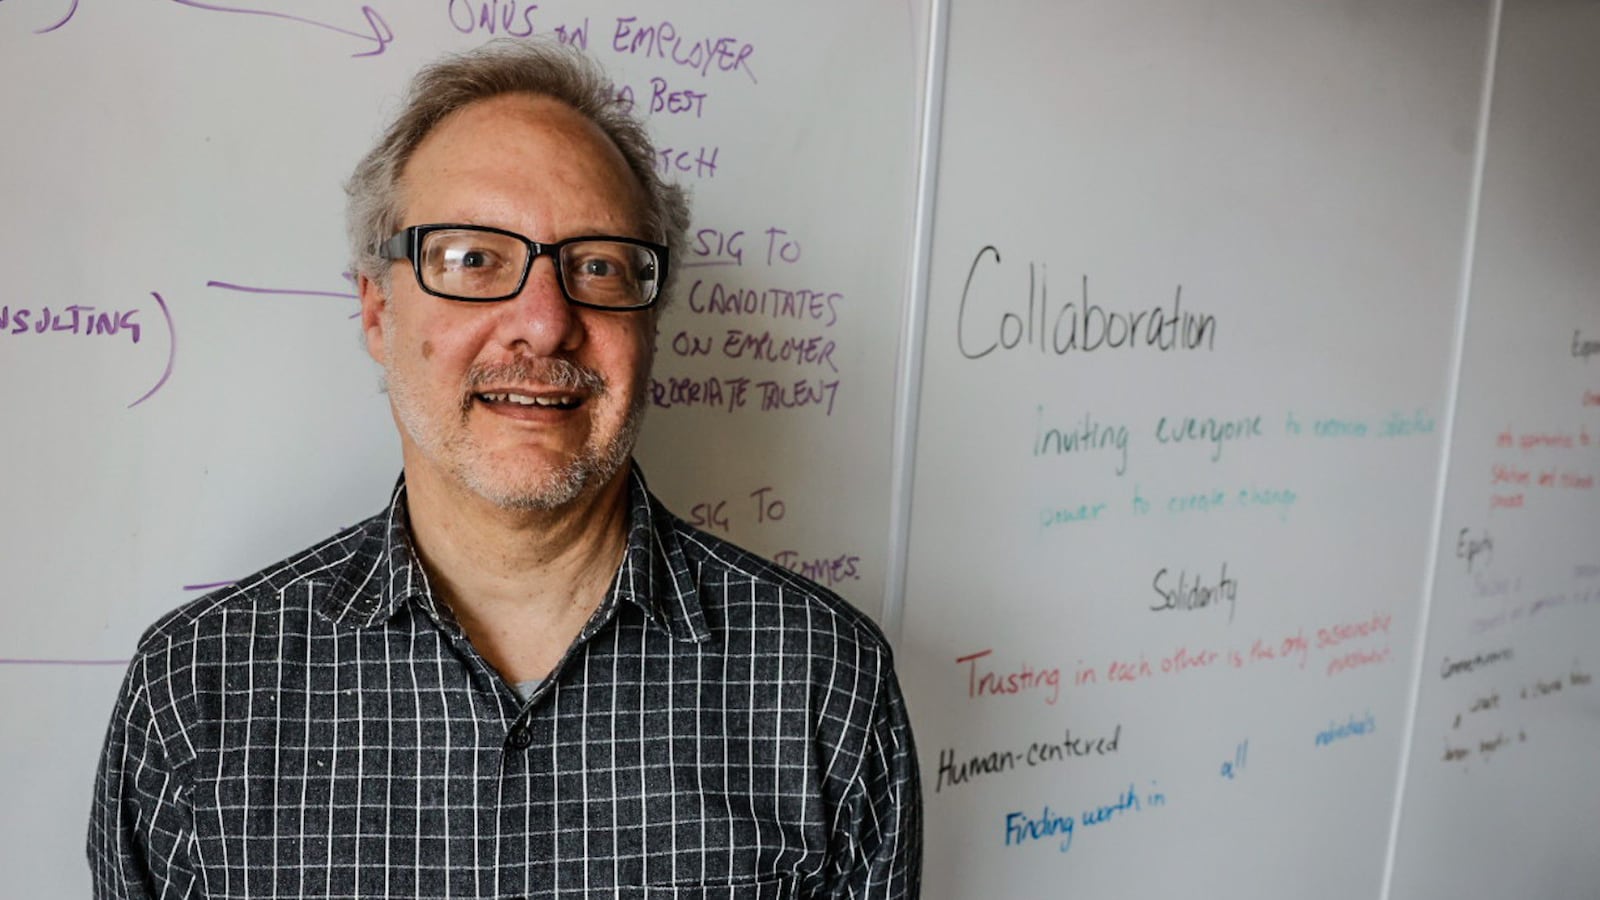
point(264, 592)
point(716, 561)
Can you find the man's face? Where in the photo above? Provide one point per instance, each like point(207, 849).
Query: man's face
point(529, 402)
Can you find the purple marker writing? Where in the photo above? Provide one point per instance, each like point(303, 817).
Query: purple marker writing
point(73, 319)
point(172, 351)
point(378, 30)
point(64, 19)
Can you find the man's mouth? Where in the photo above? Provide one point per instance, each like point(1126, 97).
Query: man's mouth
point(542, 401)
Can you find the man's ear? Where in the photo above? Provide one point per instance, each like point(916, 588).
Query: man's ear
point(373, 304)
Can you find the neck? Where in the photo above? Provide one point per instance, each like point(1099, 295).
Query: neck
point(521, 582)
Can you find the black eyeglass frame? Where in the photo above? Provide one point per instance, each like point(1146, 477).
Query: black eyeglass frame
point(407, 244)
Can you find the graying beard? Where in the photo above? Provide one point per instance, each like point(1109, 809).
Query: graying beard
point(569, 481)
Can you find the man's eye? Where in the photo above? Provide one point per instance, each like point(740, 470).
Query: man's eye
point(600, 268)
point(473, 259)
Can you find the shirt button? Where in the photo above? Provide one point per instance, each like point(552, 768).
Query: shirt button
point(519, 738)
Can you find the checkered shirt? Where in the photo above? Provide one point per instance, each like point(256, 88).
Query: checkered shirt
point(720, 728)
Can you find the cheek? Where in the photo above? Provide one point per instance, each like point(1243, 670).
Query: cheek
point(618, 350)
point(637, 362)
point(644, 345)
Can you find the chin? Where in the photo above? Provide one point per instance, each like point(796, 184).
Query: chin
point(556, 487)
point(546, 496)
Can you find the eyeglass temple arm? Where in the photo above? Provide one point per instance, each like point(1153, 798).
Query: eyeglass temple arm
point(397, 247)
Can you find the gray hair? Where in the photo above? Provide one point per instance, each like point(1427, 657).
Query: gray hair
point(540, 67)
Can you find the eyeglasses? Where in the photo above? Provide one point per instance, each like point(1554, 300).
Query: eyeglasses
point(481, 265)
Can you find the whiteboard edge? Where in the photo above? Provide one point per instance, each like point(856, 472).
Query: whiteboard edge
point(1452, 405)
point(908, 390)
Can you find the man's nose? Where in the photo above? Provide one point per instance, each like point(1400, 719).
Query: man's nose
point(539, 320)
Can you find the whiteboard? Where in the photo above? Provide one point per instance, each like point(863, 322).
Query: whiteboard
point(1221, 336)
point(178, 167)
point(1501, 797)
point(1194, 272)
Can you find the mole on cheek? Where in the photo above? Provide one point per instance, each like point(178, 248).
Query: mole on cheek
point(427, 349)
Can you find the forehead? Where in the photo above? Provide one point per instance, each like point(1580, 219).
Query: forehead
point(521, 161)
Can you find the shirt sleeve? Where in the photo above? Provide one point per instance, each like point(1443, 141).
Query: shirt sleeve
point(141, 834)
point(879, 842)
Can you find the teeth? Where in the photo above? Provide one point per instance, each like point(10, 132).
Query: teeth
point(525, 400)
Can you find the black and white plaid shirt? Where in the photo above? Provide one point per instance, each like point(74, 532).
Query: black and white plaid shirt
point(721, 728)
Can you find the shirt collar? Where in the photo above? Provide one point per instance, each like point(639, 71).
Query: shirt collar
point(655, 574)
point(384, 572)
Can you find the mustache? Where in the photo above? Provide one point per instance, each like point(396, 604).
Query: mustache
point(548, 372)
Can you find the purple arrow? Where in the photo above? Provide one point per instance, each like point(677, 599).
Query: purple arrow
point(378, 30)
point(285, 292)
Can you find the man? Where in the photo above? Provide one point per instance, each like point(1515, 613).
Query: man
point(524, 678)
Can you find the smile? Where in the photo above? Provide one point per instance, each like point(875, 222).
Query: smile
point(546, 401)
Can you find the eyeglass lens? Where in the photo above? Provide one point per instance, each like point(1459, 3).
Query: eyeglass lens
point(482, 264)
